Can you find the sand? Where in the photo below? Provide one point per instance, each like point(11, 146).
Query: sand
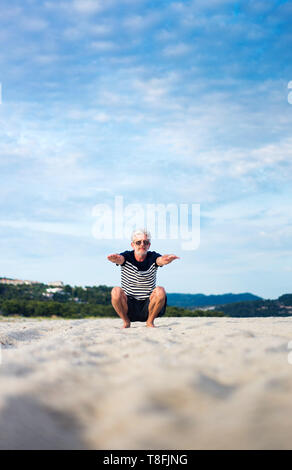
point(190, 383)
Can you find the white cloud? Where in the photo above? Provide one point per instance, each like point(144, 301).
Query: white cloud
point(103, 46)
point(8, 12)
point(34, 24)
point(155, 91)
point(152, 90)
point(100, 29)
point(177, 49)
point(44, 59)
point(258, 7)
point(165, 35)
point(88, 6)
point(141, 22)
point(49, 227)
point(195, 5)
point(101, 117)
point(111, 98)
point(134, 22)
point(85, 29)
point(261, 222)
point(73, 33)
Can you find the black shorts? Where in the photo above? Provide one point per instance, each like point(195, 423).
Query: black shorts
point(138, 309)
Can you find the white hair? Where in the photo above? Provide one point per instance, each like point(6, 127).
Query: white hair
point(140, 231)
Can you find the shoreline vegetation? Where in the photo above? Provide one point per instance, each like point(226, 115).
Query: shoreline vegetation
point(40, 300)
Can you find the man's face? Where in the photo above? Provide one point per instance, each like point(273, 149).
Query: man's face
point(141, 245)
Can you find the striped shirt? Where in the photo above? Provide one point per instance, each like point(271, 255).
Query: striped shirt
point(138, 278)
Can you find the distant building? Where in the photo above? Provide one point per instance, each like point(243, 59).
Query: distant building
point(56, 284)
point(19, 282)
point(50, 291)
point(54, 290)
point(47, 294)
point(211, 307)
point(16, 282)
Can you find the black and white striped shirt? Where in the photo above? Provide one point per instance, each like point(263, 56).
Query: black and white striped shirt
point(138, 278)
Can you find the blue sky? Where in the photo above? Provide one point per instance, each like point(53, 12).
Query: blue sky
point(157, 102)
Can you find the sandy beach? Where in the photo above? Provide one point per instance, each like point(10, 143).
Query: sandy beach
point(190, 383)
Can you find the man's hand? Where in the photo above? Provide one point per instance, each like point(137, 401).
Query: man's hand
point(115, 258)
point(165, 259)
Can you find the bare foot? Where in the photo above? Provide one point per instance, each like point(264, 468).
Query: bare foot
point(150, 325)
point(126, 325)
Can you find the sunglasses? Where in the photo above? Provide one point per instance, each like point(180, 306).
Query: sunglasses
point(145, 242)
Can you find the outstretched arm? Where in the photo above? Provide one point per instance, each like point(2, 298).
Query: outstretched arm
point(165, 259)
point(115, 258)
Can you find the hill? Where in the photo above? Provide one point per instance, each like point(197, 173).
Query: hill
point(281, 307)
point(201, 300)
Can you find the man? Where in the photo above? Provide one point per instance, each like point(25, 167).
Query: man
point(138, 299)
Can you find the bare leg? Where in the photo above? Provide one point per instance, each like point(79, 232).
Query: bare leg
point(157, 299)
point(120, 304)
